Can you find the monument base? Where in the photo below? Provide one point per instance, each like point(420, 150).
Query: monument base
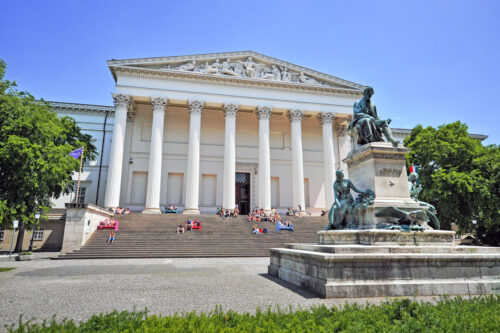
point(385, 237)
point(392, 263)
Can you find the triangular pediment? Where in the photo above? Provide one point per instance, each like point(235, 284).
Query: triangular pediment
point(247, 65)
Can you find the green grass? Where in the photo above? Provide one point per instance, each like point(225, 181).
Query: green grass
point(6, 269)
point(478, 314)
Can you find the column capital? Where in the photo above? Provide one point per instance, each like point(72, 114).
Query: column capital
point(121, 100)
point(326, 117)
point(196, 106)
point(264, 112)
point(341, 130)
point(131, 115)
point(230, 110)
point(159, 103)
point(295, 115)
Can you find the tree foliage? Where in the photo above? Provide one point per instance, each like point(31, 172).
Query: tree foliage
point(35, 165)
point(459, 175)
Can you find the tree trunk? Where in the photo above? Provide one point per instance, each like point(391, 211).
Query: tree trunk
point(20, 237)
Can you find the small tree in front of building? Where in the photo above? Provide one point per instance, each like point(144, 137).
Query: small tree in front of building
point(459, 176)
point(35, 165)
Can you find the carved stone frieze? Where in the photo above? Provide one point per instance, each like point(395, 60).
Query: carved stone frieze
point(121, 100)
point(196, 106)
point(295, 115)
point(373, 155)
point(389, 172)
point(246, 68)
point(264, 112)
point(326, 117)
point(230, 110)
point(159, 103)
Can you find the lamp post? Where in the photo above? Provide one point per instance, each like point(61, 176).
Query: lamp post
point(474, 222)
point(37, 217)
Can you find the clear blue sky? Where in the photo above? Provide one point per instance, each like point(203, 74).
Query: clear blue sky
point(430, 62)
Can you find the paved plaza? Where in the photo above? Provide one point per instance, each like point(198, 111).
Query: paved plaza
point(77, 289)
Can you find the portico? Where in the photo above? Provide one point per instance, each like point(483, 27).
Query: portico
point(190, 131)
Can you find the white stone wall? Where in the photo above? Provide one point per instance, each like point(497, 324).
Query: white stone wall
point(91, 121)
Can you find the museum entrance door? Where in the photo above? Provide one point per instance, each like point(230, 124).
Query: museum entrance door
point(243, 192)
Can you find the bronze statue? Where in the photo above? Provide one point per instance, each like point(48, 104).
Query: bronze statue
point(413, 186)
point(367, 123)
point(415, 190)
point(343, 212)
point(410, 219)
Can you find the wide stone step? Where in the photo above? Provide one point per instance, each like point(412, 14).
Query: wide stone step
point(142, 236)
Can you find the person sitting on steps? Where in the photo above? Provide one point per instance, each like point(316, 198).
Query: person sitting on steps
point(180, 229)
point(111, 237)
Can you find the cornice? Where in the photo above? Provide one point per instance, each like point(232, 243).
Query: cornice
point(162, 74)
point(406, 132)
point(174, 59)
point(62, 106)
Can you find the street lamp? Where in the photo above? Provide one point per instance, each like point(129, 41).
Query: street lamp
point(474, 222)
point(37, 217)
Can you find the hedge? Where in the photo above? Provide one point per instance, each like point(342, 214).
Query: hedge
point(477, 314)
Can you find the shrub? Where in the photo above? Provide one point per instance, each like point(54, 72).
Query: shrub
point(478, 314)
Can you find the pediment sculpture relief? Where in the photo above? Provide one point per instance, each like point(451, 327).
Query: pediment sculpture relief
point(247, 69)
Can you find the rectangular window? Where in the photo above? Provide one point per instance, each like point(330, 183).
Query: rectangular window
point(81, 197)
point(38, 234)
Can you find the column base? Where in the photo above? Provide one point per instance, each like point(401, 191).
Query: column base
point(152, 211)
point(191, 211)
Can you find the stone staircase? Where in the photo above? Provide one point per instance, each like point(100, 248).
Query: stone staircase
point(154, 236)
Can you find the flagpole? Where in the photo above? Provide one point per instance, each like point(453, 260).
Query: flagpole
point(79, 173)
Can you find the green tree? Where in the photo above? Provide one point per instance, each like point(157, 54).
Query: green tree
point(35, 165)
point(460, 176)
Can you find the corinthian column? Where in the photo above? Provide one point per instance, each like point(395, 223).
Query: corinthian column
point(264, 113)
point(112, 198)
point(228, 194)
point(344, 147)
point(193, 163)
point(326, 118)
point(155, 157)
point(295, 117)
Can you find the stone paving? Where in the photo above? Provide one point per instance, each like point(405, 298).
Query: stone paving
point(77, 289)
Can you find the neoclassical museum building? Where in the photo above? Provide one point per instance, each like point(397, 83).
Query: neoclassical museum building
point(216, 130)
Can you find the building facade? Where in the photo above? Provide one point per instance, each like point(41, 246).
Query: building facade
point(217, 130)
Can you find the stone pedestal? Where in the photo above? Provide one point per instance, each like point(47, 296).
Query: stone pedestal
point(376, 263)
point(386, 237)
point(81, 222)
point(380, 167)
